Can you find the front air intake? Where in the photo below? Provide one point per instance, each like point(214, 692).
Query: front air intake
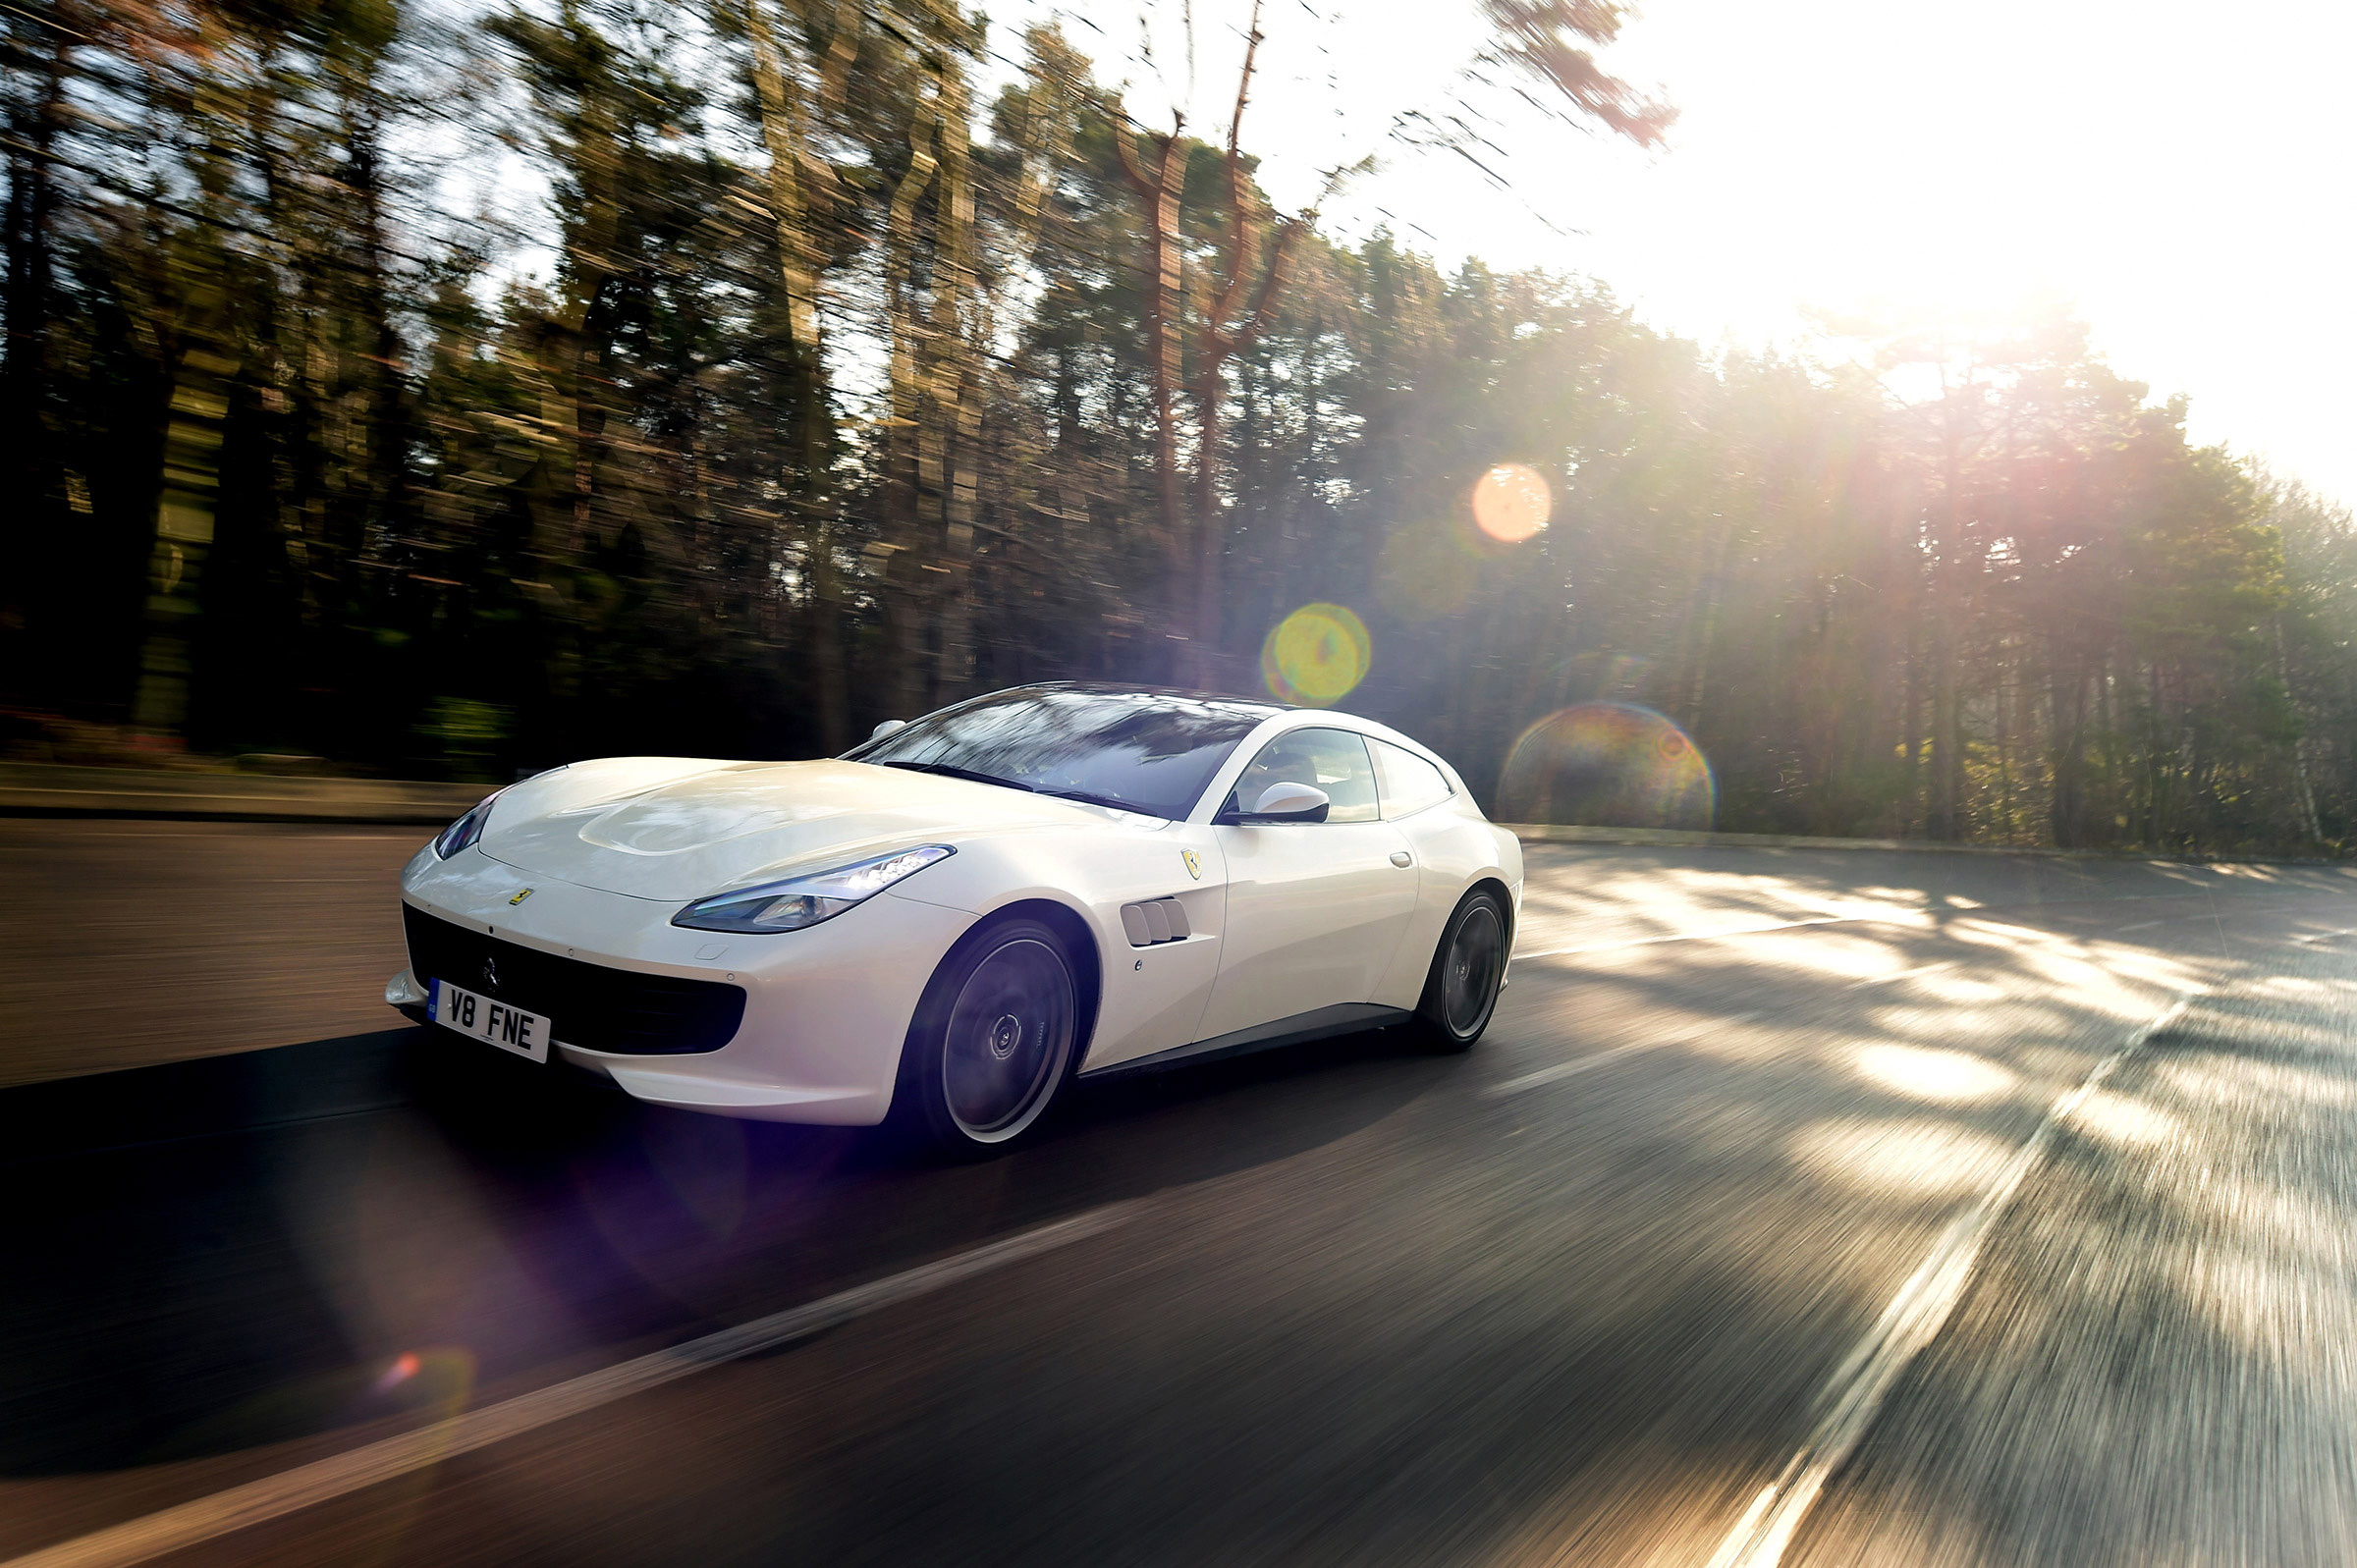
point(591, 1005)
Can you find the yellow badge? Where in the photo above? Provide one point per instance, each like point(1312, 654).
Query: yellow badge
point(522, 897)
point(1194, 863)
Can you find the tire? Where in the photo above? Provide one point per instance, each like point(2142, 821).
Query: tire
point(1467, 970)
point(992, 1041)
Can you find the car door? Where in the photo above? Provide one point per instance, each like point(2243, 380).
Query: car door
point(1315, 910)
point(1451, 848)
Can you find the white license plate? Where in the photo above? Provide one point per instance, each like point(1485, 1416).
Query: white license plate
point(509, 1028)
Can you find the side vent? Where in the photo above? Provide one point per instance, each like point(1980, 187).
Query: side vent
point(1151, 924)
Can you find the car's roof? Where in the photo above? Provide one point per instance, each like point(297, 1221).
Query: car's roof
point(1115, 689)
point(1264, 708)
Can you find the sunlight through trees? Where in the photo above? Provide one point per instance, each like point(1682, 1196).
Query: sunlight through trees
point(827, 386)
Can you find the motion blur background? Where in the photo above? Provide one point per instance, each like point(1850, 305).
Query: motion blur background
point(1759, 418)
point(444, 389)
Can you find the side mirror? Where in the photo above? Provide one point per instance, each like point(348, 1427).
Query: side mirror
point(1287, 802)
point(887, 728)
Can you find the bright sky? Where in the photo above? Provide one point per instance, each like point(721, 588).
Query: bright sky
point(2179, 172)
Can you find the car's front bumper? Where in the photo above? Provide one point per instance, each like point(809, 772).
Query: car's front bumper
point(407, 995)
point(826, 1009)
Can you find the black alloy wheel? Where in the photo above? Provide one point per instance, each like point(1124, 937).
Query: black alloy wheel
point(992, 1040)
point(1467, 970)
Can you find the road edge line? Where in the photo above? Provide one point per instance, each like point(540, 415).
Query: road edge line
point(288, 1492)
point(1854, 1395)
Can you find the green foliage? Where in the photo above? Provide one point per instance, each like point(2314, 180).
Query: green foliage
point(308, 461)
point(466, 733)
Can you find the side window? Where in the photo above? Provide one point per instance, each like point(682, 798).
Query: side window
point(1409, 783)
point(1333, 760)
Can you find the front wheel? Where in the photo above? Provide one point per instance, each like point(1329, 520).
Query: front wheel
point(1467, 969)
point(992, 1041)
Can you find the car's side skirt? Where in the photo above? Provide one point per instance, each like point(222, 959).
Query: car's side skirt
point(1344, 1018)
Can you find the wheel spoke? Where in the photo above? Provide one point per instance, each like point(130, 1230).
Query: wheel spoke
point(1008, 1037)
point(1469, 974)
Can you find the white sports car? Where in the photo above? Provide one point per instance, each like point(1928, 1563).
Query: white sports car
point(957, 917)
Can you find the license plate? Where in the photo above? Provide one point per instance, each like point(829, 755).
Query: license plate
point(509, 1028)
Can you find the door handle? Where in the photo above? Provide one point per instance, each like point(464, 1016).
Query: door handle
point(1401, 857)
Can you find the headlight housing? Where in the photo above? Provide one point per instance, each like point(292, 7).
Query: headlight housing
point(794, 902)
point(466, 830)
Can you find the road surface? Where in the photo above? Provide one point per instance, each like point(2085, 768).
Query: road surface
point(1799, 1206)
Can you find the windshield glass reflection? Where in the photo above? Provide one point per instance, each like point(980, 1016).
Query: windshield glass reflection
point(1145, 751)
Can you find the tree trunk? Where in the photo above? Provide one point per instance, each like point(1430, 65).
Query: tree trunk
point(2066, 717)
point(799, 258)
point(1211, 534)
point(1706, 625)
point(909, 446)
point(2305, 791)
point(2153, 764)
point(1160, 304)
point(1911, 814)
point(2005, 751)
point(956, 417)
point(184, 521)
point(26, 465)
point(25, 229)
point(1944, 820)
point(1197, 550)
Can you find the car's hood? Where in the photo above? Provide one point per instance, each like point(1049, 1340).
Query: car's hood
point(677, 829)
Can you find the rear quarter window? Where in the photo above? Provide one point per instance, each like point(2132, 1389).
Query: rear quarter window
point(1408, 783)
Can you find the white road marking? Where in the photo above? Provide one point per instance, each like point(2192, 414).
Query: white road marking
point(1580, 1065)
point(1858, 1386)
point(2141, 925)
point(1905, 974)
point(1563, 1069)
point(323, 1480)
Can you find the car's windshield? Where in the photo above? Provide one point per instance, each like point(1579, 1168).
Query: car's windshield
point(1151, 752)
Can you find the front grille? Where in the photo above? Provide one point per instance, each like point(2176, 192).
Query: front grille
point(592, 1007)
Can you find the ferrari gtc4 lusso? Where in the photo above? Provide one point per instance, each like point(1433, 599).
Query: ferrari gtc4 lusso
point(949, 922)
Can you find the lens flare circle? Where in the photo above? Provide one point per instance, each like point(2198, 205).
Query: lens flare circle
point(1511, 503)
point(400, 1370)
point(1607, 765)
point(1315, 656)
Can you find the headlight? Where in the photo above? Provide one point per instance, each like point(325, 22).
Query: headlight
point(466, 830)
point(798, 901)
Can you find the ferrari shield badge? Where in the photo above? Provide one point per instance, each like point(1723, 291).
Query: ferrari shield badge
point(1194, 863)
point(522, 897)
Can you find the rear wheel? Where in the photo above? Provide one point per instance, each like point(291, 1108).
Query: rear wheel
point(992, 1041)
point(1461, 991)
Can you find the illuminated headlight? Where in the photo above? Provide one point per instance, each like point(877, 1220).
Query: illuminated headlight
point(798, 901)
point(466, 830)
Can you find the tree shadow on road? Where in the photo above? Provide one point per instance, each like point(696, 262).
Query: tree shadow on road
point(1603, 1286)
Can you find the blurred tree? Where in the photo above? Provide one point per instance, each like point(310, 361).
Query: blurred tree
point(810, 390)
point(797, 155)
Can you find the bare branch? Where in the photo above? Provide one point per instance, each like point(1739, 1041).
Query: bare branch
point(1240, 237)
point(1243, 80)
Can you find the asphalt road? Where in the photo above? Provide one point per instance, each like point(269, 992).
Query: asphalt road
point(124, 943)
point(1776, 1219)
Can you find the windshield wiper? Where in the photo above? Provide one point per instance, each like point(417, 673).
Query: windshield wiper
point(968, 773)
point(947, 772)
point(1085, 798)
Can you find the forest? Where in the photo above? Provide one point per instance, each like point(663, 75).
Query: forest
point(850, 358)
